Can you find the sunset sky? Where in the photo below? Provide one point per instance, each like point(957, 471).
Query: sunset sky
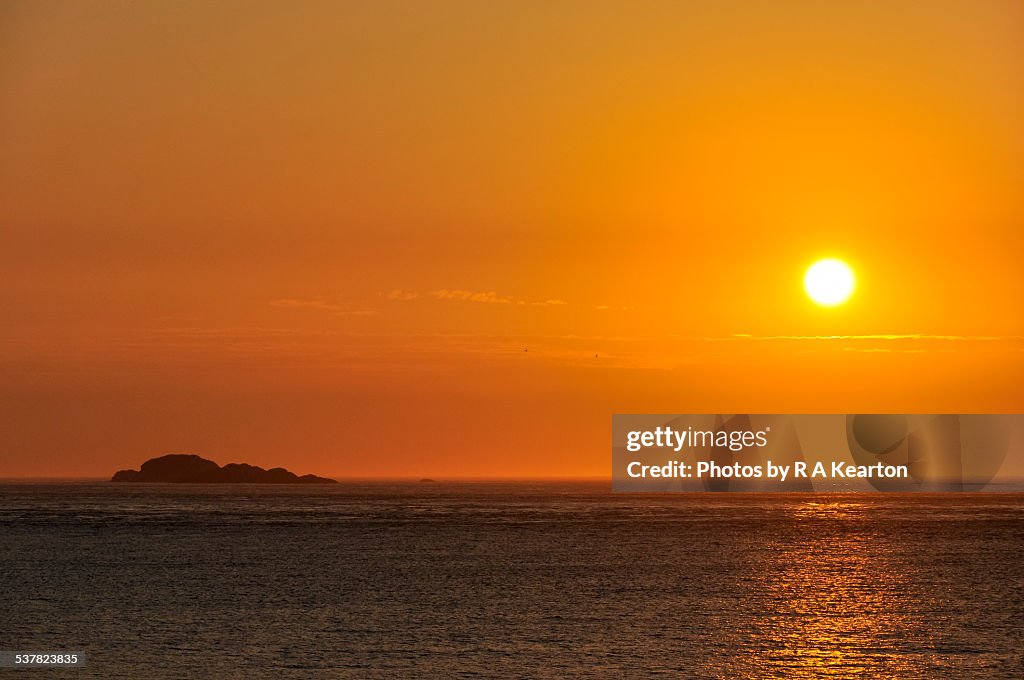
point(453, 238)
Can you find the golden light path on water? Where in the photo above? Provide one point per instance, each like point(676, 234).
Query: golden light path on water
point(836, 607)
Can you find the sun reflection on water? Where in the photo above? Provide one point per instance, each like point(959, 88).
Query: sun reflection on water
point(834, 599)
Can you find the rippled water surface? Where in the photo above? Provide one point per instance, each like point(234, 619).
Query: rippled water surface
point(510, 580)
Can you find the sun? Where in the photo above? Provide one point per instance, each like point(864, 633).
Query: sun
point(829, 282)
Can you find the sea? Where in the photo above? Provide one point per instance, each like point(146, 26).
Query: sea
point(509, 580)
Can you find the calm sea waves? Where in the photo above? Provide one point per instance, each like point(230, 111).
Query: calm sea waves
point(509, 580)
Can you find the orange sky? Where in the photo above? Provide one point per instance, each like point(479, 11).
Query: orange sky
point(321, 234)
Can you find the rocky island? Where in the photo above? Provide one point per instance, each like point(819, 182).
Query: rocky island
point(178, 468)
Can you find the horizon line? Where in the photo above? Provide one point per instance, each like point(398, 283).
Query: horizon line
point(405, 478)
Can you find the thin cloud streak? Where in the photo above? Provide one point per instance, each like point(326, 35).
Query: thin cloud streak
point(458, 295)
point(887, 336)
point(320, 304)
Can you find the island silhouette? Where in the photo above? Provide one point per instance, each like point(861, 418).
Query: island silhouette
point(180, 468)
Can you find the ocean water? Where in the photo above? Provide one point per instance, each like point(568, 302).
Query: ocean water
point(507, 580)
